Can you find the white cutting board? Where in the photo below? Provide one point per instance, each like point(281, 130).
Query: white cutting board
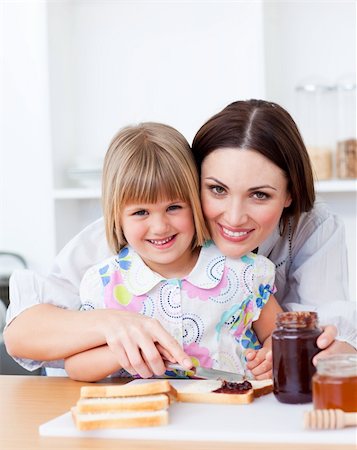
point(264, 420)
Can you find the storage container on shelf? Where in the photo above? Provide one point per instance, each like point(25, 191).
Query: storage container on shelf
point(316, 119)
point(346, 154)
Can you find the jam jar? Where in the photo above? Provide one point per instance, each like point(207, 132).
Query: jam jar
point(294, 346)
point(334, 385)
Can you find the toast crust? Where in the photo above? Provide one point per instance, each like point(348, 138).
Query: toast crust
point(262, 387)
point(120, 421)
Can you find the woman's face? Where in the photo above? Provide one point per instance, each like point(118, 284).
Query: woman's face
point(243, 196)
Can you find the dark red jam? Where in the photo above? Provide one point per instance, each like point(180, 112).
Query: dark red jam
point(229, 387)
point(294, 346)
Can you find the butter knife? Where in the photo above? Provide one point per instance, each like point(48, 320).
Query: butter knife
point(206, 374)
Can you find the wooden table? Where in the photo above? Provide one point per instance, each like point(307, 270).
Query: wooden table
point(28, 401)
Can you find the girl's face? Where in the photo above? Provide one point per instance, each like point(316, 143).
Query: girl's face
point(161, 233)
point(243, 196)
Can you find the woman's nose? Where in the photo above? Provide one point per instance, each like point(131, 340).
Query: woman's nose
point(236, 213)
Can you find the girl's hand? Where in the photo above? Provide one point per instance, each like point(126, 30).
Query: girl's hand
point(141, 344)
point(259, 362)
point(329, 346)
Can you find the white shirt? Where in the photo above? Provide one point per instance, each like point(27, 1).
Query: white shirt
point(311, 271)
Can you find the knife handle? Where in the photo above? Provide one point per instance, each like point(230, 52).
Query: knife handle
point(175, 366)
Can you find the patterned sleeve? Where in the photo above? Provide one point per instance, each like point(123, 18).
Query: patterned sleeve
point(91, 290)
point(263, 283)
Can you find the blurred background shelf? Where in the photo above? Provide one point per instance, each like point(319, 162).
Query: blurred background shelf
point(73, 193)
point(77, 193)
point(336, 186)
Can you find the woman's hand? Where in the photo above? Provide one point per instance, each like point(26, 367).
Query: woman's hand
point(141, 344)
point(329, 346)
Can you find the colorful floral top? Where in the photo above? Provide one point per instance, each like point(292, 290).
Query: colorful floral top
point(210, 312)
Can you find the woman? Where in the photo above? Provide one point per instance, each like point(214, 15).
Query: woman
point(235, 148)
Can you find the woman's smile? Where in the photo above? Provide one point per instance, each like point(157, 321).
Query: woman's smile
point(234, 235)
point(242, 206)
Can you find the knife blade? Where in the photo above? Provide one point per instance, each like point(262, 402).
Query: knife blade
point(207, 374)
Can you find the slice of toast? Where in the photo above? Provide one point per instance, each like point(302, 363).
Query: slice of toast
point(121, 404)
point(128, 419)
point(202, 391)
point(129, 390)
point(262, 387)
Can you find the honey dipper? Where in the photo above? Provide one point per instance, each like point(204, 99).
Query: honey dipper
point(329, 419)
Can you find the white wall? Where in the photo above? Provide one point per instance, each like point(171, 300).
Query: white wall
point(125, 62)
point(26, 189)
point(307, 39)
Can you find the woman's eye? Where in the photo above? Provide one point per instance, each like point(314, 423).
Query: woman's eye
point(142, 212)
point(260, 195)
point(218, 190)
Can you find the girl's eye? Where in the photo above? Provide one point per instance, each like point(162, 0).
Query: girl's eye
point(216, 189)
point(260, 195)
point(173, 207)
point(142, 212)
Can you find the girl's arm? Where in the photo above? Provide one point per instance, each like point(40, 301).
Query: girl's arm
point(259, 361)
point(92, 365)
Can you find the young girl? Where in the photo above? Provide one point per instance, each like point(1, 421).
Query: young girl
point(165, 270)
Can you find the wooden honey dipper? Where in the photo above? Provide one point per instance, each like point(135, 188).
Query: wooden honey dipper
point(329, 419)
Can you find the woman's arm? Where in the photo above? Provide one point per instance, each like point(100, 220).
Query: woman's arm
point(46, 332)
point(139, 343)
point(92, 365)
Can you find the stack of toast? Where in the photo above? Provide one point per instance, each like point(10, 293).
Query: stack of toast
point(123, 406)
point(146, 404)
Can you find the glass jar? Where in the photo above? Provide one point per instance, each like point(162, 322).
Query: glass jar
point(334, 385)
point(294, 346)
point(316, 119)
point(346, 154)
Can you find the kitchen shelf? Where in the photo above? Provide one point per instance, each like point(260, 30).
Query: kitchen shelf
point(332, 186)
point(336, 186)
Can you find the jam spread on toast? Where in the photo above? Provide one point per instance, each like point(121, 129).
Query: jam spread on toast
point(230, 387)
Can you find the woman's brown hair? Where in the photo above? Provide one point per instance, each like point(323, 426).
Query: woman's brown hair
point(268, 129)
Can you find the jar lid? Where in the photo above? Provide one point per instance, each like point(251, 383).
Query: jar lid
point(342, 365)
point(296, 319)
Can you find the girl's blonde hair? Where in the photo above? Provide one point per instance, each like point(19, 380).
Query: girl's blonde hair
point(149, 163)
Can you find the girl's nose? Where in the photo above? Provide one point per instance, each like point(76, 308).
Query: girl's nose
point(159, 225)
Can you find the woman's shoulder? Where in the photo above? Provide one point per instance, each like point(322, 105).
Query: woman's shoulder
point(318, 215)
point(320, 222)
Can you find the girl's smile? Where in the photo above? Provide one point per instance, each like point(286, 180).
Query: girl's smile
point(242, 206)
point(163, 243)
